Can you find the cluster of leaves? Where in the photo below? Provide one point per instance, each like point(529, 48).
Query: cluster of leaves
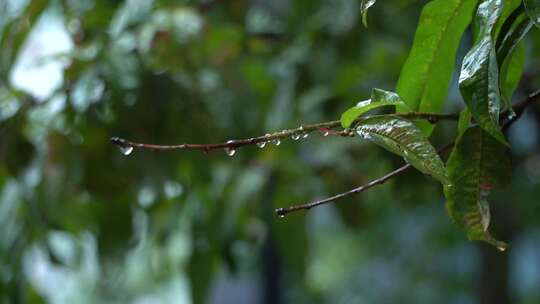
point(490, 72)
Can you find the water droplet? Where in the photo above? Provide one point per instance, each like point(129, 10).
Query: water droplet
point(280, 212)
point(326, 133)
point(501, 248)
point(276, 142)
point(512, 115)
point(305, 135)
point(126, 150)
point(295, 136)
point(261, 144)
point(229, 150)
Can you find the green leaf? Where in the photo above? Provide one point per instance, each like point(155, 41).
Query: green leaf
point(464, 121)
point(511, 72)
point(364, 7)
point(425, 77)
point(402, 137)
point(479, 78)
point(532, 7)
point(510, 57)
point(511, 9)
point(477, 164)
point(379, 98)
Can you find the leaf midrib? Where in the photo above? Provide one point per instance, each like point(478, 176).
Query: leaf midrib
point(437, 49)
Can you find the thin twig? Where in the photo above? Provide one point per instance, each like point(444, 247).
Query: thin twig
point(324, 127)
point(379, 181)
point(506, 121)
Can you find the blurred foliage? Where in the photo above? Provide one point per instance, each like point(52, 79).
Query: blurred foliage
point(84, 224)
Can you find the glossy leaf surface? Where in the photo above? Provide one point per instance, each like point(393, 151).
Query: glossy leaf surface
point(477, 164)
point(379, 98)
point(479, 78)
point(364, 7)
point(425, 77)
point(533, 10)
point(403, 137)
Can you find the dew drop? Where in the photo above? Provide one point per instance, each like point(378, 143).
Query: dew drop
point(501, 248)
point(512, 115)
point(261, 144)
point(326, 133)
point(305, 135)
point(230, 151)
point(126, 150)
point(295, 136)
point(282, 216)
point(276, 142)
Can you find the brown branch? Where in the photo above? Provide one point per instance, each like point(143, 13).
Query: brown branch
point(379, 181)
point(325, 127)
point(506, 121)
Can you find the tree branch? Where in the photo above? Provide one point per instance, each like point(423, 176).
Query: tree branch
point(506, 121)
point(326, 128)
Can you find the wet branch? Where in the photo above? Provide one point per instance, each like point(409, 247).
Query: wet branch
point(506, 121)
point(326, 128)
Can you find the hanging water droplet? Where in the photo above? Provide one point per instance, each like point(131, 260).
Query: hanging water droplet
point(276, 142)
point(305, 135)
point(295, 136)
point(281, 215)
point(230, 150)
point(512, 115)
point(126, 150)
point(261, 144)
point(501, 248)
point(280, 212)
point(326, 133)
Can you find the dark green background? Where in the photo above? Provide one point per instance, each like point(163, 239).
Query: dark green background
point(81, 223)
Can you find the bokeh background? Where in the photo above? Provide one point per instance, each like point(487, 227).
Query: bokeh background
point(82, 223)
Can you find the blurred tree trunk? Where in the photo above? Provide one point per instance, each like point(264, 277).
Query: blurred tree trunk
point(493, 286)
point(271, 270)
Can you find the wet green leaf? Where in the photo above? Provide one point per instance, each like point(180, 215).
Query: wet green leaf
point(425, 77)
point(403, 137)
point(364, 7)
point(533, 10)
point(479, 78)
point(511, 72)
point(477, 164)
point(510, 56)
point(379, 98)
point(464, 120)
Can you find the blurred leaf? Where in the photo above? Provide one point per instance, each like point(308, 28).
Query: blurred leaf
point(379, 98)
point(201, 271)
point(15, 33)
point(533, 10)
point(477, 164)
point(364, 7)
point(403, 137)
point(425, 77)
point(464, 121)
point(479, 79)
point(511, 57)
point(511, 73)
